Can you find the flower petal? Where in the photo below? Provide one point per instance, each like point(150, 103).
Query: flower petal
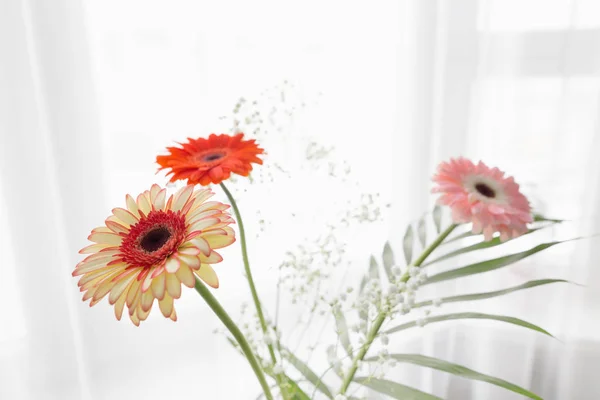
point(181, 197)
point(172, 265)
point(158, 286)
point(208, 275)
point(166, 306)
point(125, 216)
point(107, 238)
point(186, 276)
point(219, 241)
point(173, 286)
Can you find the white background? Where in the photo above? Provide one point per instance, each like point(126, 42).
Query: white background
point(91, 91)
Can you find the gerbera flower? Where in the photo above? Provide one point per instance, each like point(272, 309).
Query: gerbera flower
point(148, 250)
point(483, 196)
point(211, 160)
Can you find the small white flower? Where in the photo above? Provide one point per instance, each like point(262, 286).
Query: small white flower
point(268, 339)
point(421, 322)
point(343, 296)
point(340, 397)
point(277, 369)
point(437, 302)
point(401, 286)
point(413, 271)
point(399, 298)
point(405, 309)
point(396, 270)
point(427, 311)
point(385, 340)
point(412, 284)
point(393, 289)
point(349, 289)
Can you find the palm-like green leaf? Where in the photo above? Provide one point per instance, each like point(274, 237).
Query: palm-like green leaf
point(487, 295)
point(342, 329)
point(437, 218)
point(422, 232)
point(388, 259)
point(407, 244)
point(294, 391)
point(394, 390)
point(373, 268)
point(470, 315)
point(536, 219)
point(489, 265)
point(459, 370)
point(308, 373)
point(477, 246)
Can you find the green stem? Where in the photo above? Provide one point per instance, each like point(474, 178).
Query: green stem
point(383, 314)
point(429, 250)
point(214, 304)
point(278, 377)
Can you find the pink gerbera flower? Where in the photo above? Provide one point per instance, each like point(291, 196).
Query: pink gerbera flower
point(483, 196)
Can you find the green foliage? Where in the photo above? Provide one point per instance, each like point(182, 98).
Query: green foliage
point(459, 370)
point(470, 315)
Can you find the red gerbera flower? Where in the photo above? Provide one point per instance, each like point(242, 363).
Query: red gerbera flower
point(211, 160)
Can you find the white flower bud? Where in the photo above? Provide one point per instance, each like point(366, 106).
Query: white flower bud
point(412, 284)
point(385, 340)
point(343, 296)
point(396, 270)
point(437, 302)
point(277, 369)
point(421, 322)
point(399, 298)
point(268, 339)
point(413, 271)
point(405, 309)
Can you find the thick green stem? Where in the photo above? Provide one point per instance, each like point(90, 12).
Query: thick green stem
point(278, 377)
point(214, 304)
point(383, 314)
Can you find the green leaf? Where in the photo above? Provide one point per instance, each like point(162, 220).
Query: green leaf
point(407, 244)
point(470, 315)
point(477, 246)
point(363, 283)
point(536, 218)
point(422, 232)
point(459, 370)
point(294, 391)
point(487, 295)
point(342, 329)
point(332, 355)
point(437, 218)
point(373, 268)
point(540, 218)
point(307, 373)
point(388, 259)
point(394, 390)
point(489, 265)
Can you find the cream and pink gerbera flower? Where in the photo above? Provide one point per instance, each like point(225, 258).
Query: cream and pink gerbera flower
point(483, 196)
point(146, 251)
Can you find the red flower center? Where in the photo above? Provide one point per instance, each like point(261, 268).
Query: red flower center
point(153, 239)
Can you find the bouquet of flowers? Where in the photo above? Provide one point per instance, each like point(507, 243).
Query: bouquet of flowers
point(157, 242)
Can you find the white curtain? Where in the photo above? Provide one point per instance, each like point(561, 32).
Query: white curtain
point(91, 91)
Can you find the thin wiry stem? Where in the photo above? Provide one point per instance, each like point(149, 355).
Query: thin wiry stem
point(257, 305)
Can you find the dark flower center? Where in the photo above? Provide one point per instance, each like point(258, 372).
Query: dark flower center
point(485, 190)
point(155, 239)
point(213, 157)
